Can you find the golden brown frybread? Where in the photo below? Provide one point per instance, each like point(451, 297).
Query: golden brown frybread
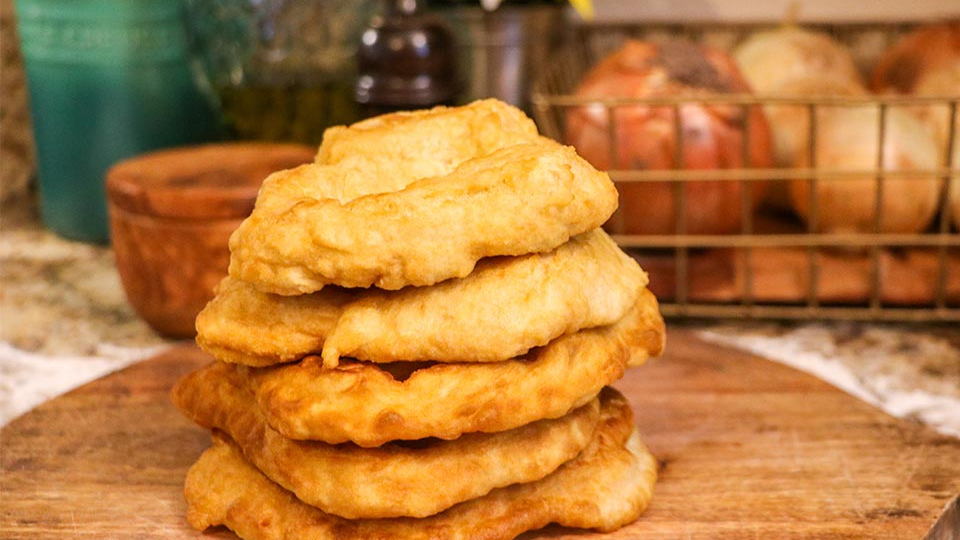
point(394, 479)
point(368, 405)
point(584, 283)
point(425, 143)
point(607, 486)
point(525, 198)
point(416, 340)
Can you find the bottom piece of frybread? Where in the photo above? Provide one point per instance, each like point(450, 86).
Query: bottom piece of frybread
point(608, 486)
point(395, 479)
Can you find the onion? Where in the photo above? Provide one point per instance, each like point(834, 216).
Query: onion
point(792, 61)
point(791, 123)
point(928, 48)
point(790, 128)
point(644, 136)
point(954, 201)
point(927, 62)
point(846, 139)
point(771, 58)
point(944, 81)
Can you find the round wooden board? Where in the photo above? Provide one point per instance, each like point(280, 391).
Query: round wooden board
point(748, 449)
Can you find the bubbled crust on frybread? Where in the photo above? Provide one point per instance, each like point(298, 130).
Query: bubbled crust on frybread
point(387, 153)
point(430, 142)
point(584, 283)
point(525, 198)
point(362, 403)
point(395, 479)
point(607, 486)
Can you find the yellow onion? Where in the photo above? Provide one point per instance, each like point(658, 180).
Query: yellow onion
point(846, 140)
point(771, 58)
point(644, 136)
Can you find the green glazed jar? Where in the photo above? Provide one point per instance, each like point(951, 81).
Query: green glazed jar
point(108, 79)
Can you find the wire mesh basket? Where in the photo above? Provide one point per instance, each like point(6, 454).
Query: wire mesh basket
point(778, 261)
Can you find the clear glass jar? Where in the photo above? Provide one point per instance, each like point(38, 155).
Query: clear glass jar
point(278, 70)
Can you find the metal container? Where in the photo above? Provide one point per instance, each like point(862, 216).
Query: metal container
point(502, 52)
point(775, 266)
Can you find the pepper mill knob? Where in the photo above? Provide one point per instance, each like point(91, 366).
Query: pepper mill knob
point(406, 59)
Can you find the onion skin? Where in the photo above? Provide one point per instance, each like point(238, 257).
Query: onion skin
point(645, 138)
point(846, 140)
point(928, 48)
point(926, 62)
point(790, 128)
point(792, 61)
point(954, 196)
point(771, 58)
point(944, 81)
point(791, 123)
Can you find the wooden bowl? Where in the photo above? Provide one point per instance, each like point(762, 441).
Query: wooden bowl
point(171, 216)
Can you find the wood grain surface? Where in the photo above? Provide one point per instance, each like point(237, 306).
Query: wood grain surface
point(171, 215)
point(748, 449)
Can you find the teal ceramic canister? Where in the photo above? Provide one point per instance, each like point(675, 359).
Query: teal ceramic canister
point(108, 79)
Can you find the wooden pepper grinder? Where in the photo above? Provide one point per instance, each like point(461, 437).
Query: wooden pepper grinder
point(406, 60)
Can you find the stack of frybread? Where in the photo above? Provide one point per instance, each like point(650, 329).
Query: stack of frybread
point(415, 341)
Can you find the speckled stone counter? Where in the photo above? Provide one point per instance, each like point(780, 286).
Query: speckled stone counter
point(909, 371)
point(64, 320)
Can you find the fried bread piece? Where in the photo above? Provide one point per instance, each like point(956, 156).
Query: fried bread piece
point(365, 403)
point(387, 153)
point(520, 199)
point(608, 486)
point(242, 325)
point(430, 142)
point(392, 480)
point(584, 283)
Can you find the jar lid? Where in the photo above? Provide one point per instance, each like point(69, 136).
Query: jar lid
point(215, 181)
point(406, 59)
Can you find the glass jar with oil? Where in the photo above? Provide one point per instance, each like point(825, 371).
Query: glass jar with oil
point(278, 70)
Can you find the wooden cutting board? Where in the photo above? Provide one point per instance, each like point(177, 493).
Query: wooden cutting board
point(748, 449)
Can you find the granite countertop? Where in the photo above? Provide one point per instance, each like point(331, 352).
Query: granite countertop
point(64, 320)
